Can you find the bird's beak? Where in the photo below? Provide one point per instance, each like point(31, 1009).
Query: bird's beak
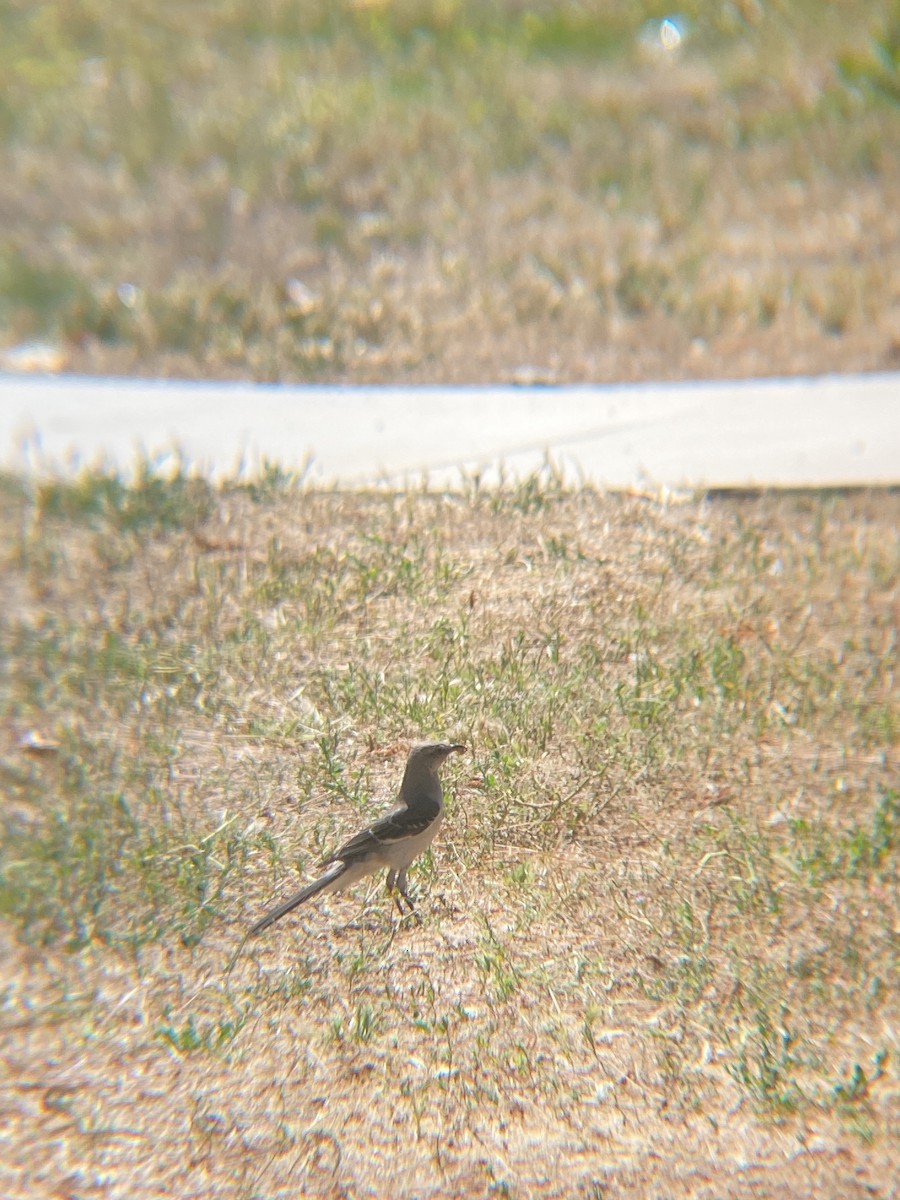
point(457, 748)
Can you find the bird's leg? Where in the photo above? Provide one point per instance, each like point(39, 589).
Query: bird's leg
point(401, 888)
point(391, 884)
point(396, 882)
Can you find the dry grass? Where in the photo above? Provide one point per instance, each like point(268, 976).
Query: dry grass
point(461, 191)
point(660, 943)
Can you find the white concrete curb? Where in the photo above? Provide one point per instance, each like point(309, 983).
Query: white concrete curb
point(830, 431)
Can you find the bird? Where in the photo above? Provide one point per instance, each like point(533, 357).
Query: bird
point(393, 841)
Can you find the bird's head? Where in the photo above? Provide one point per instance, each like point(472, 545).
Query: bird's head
point(433, 753)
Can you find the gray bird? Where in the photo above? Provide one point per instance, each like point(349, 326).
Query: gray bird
point(393, 842)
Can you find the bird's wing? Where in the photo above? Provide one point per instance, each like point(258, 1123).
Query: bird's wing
point(398, 825)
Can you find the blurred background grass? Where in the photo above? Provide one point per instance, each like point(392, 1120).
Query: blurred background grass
point(451, 190)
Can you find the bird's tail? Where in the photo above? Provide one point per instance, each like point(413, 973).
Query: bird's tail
point(312, 889)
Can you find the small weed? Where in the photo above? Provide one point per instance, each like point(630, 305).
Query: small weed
point(520, 875)
point(764, 1065)
point(191, 1035)
point(363, 1024)
point(500, 976)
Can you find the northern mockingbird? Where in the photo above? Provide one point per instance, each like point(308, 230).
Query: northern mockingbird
point(392, 842)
